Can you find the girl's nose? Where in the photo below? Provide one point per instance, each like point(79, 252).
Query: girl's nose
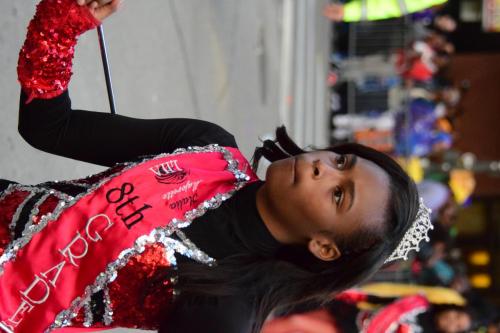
point(322, 170)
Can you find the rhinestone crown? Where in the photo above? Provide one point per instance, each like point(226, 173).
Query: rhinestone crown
point(414, 235)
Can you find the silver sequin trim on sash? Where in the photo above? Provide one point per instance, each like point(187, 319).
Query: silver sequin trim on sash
point(159, 235)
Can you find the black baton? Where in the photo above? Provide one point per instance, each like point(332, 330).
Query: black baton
point(107, 74)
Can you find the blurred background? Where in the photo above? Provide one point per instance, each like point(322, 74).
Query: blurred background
point(421, 85)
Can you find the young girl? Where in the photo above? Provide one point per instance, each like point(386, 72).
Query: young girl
point(186, 239)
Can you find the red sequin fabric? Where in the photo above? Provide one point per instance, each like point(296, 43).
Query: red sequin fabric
point(139, 296)
point(9, 204)
point(45, 60)
point(140, 283)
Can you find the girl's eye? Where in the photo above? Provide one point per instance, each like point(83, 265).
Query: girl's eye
point(337, 195)
point(341, 161)
point(316, 168)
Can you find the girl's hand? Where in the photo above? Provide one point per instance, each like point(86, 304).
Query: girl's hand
point(101, 9)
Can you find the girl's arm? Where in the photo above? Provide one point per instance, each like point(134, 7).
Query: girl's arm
point(105, 139)
point(47, 120)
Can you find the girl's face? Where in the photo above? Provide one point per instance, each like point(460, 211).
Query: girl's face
point(322, 193)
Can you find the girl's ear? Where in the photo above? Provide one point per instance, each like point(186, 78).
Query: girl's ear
point(323, 248)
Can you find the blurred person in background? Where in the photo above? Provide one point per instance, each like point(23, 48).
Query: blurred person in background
point(354, 311)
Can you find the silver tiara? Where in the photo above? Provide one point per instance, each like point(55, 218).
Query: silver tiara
point(418, 231)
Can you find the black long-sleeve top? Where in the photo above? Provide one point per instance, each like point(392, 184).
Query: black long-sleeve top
point(53, 126)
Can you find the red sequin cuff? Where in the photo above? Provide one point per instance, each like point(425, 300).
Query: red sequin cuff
point(45, 60)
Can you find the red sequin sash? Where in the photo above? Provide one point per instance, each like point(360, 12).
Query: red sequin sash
point(80, 248)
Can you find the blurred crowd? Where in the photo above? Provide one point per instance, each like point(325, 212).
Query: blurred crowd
point(422, 106)
point(415, 123)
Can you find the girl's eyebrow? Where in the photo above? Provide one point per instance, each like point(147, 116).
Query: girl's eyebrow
point(350, 184)
point(352, 193)
point(352, 161)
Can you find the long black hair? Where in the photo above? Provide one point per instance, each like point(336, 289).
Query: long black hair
point(294, 275)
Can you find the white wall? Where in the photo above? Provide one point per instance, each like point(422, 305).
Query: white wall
point(211, 70)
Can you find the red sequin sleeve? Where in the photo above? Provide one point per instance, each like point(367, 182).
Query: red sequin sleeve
point(45, 60)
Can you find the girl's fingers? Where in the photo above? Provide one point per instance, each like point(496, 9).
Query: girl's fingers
point(90, 3)
point(84, 2)
point(103, 12)
point(100, 9)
